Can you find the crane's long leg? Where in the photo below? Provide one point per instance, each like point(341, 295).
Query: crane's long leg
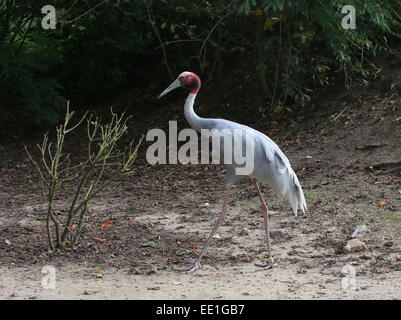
point(265, 213)
point(196, 265)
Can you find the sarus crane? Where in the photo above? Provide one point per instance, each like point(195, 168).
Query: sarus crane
point(270, 165)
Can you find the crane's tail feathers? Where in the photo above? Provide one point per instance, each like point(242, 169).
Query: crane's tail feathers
point(295, 193)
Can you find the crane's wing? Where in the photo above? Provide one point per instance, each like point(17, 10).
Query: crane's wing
point(284, 178)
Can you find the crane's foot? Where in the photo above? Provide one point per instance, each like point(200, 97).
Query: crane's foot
point(190, 268)
point(268, 265)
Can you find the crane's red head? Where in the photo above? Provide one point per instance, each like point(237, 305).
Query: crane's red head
point(185, 79)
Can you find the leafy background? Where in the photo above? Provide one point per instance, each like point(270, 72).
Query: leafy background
point(280, 52)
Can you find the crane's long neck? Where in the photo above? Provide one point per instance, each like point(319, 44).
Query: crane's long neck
point(193, 119)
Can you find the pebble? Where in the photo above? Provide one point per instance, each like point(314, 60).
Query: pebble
point(153, 270)
point(277, 234)
point(89, 292)
point(154, 288)
point(355, 245)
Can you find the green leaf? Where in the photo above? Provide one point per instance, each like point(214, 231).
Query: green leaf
point(151, 244)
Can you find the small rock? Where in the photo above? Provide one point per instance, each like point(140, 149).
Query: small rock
point(153, 270)
point(89, 292)
point(277, 234)
point(154, 288)
point(301, 271)
point(136, 271)
point(7, 242)
point(331, 229)
point(355, 245)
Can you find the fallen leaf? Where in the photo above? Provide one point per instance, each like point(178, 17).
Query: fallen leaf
point(106, 224)
point(259, 12)
point(194, 245)
point(383, 203)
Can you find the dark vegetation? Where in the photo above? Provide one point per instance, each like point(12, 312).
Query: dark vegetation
point(280, 53)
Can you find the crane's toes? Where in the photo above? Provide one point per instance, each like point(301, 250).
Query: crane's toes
point(268, 265)
point(190, 268)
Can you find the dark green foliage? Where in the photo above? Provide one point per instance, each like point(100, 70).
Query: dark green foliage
point(105, 49)
point(279, 51)
point(305, 46)
point(26, 80)
point(29, 59)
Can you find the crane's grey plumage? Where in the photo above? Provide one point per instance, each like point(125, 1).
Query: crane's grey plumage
point(270, 165)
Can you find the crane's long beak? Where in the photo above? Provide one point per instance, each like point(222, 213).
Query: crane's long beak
point(174, 85)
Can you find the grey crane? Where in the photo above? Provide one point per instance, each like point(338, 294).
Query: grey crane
point(270, 165)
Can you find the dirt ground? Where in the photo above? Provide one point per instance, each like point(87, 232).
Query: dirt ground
point(348, 162)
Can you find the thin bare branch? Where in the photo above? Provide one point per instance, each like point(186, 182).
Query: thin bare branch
point(152, 21)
